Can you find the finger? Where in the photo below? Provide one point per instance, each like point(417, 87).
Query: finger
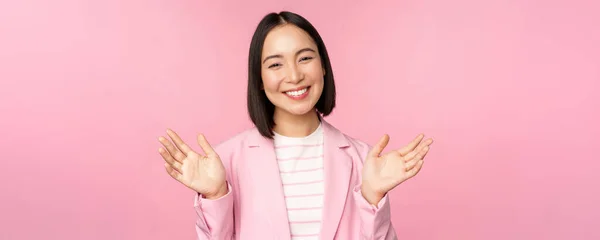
point(424, 143)
point(416, 155)
point(378, 148)
point(178, 155)
point(170, 160)
point(415, 169)
point(173, 173)
point(167, 156)
point(178, 142)
point(410, 165)
point(412, 145)
point(410, 156)
point(421, 154)
point(424, 154)
point(208, 150)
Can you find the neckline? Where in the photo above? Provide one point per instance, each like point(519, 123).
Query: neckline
point(315, 132)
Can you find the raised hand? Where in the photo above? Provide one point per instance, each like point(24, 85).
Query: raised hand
point(382, 173)
point(203, 174)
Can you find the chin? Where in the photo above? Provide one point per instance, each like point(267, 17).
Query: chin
point(301, 111)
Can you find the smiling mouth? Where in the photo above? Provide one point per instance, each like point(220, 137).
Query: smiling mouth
point(297, 93)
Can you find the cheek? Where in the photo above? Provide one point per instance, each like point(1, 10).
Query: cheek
point(271, 82)
point(314, 69)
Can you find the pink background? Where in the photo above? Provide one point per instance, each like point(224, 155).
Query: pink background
point(508, 89)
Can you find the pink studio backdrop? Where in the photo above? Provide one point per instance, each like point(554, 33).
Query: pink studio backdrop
point(508, 89)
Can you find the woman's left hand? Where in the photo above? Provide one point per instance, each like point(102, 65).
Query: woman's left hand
point(382, 173)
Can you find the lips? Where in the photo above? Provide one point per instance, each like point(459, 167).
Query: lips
point(298, 93)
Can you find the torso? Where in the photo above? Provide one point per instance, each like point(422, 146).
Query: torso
point(300, 162)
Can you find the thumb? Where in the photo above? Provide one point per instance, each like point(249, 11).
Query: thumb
point(378, 148)
point(208, 150)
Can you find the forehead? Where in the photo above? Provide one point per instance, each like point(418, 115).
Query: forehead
point(285, 39)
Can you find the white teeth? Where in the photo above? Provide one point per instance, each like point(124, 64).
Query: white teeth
point(296, 93)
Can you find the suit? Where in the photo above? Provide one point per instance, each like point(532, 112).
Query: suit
point(255, 208)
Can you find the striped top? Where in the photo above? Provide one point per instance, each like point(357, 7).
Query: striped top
point(300, 163)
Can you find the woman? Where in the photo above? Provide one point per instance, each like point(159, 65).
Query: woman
point(292, 176)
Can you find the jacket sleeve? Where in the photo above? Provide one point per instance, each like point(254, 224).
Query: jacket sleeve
point(214, 217)
point(376, 222)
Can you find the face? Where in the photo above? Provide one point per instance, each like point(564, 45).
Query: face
point(292, 72)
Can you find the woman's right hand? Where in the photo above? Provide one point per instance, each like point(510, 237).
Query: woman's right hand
point(203, 174)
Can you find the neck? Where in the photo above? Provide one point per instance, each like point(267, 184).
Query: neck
point(290, 125)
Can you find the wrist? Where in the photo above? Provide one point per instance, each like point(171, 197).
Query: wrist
point(222, 191)
point(373, 197)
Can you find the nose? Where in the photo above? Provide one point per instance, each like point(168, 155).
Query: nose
point(295, 75)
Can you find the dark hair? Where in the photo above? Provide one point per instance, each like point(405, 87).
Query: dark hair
point(261, 110)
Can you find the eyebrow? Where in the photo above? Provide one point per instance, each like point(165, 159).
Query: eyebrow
point(299, 51)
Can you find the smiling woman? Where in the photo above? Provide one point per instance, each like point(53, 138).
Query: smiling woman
point(288, 61)
point(292, 176)
point(292, 74)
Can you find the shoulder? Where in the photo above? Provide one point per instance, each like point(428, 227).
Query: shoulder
point(361, 147)
point(358, 144)
point(236, 142)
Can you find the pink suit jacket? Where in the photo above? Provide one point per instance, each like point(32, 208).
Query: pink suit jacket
point(254, 207)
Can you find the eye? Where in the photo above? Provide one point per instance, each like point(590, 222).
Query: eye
point(274, 65)
point(305, 59)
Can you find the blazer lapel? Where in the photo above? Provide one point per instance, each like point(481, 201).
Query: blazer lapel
point(337, 166)
point(265, 174)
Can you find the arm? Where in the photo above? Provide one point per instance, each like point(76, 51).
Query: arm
point(214, 216)
point(380, 174)
point(210, 175)
point(375, 220)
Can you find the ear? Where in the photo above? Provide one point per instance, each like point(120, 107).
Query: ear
point(324, 72)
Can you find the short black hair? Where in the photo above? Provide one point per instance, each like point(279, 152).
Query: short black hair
point(261, 110)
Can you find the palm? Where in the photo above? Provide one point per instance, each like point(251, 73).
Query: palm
point(203, 174)
point(382, 173)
